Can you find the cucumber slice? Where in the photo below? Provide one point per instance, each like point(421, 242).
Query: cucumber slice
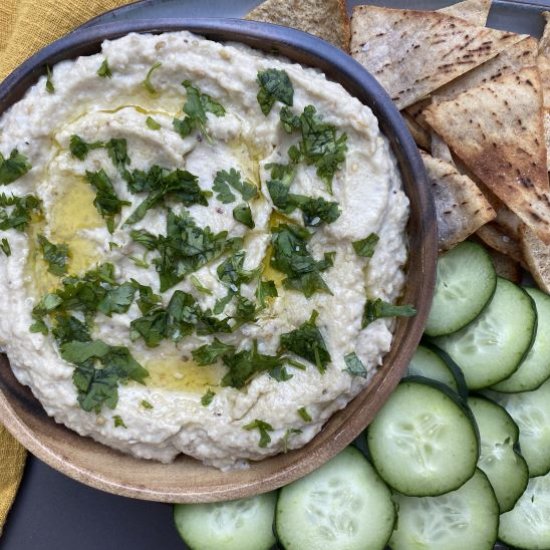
point(244, 524)
point(491, 348)
point(424, 440)
point(344, 504)
point(535, 368)
point(528, 524)
point(466, 281)
point(506, 469)
point(431, 362)
point(464, 518)
point(531, 412)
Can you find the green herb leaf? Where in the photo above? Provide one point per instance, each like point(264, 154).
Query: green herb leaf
point(210, 353)
point(375, 309)
point(146, 405)
point(119, 423)
point(265, 290)
point(243, 214)
point(246, 364)
point(147, 84)
point(199, 286)
point(117, 299)
point(280, 374)
point(304, 415)
point(307, 342)
point(16, 212)
point(224, 179)
point(80, 149)
point(207, 398)
point(264, 428)
point(366, 247)
point(5, 247)
point(117, 149)
point(355, 366)
point(289, 120)
point(104, 70)
point(50, 88)
point(232, 273)
point(147, 298)
point(275, 85)
point(196, 106)
point(56, 256)
point(13, 167)
point(221, 303)
point(152, 124)
point(106, 201)
point(291, 257)
point(69, 328)
point(288, 434)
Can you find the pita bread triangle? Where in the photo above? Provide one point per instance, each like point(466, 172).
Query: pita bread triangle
point(473, 11)
point(412, 53)
point(496, 129)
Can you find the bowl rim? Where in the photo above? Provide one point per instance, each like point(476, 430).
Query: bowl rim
point(307, 50)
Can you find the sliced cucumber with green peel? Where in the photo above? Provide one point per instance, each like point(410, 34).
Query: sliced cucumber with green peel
point(342, 505)
point(424, 440)
point(244, 524)
point(435, 364)
point(527, 526)
point(466, 281)
point(492, 347)
point(506, 469)
point(535, 368)
point(466, 518)
point(531, 412)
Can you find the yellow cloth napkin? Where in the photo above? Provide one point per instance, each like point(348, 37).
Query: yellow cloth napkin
point(28, 25)
point(12, 461)
point(25, 27)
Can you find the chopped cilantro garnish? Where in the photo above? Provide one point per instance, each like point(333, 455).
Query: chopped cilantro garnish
point(290, 432)
point(69, 328)
point(365, 247)
point(280, 374)
point(145, 404)
point(208, 354)
point(265, 289)
point(232, 273)
point(247, 363)
point(304, 415)
point(5, 247)
point(315, 210)
point(117, 299)
point(289, 120)
point(196, 106)
point(291, 257)
point(224, 180)
point(50, 88)
point(199, 286)
point(152, 124)
point(106, 202)
point(275, 85)
point(104, 70)
point(355, 366)
point(117, 149)
point(13, 167)
point(307, 342)
point(80, 149)
point(119, 423)
point(16, 212)
point(207, 398)
point(147, 298)
point(264, 428)
point(147, 84)
point(179, 185)
point(243, 214)
point(100, 369)
point(375, 309)
point(320, 143)
point(245, 311)
point(56, 256)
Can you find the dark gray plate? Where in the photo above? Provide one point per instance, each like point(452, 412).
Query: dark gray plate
point(52, 512)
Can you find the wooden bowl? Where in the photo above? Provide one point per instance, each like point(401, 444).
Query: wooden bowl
point(187, 480)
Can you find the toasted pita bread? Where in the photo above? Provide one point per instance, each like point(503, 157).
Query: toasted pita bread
point(537, 257)
point(543, 62)
point(473, 11)
point(412, 53)
point(419, 134)
point(326, 19)
point(544, 42)
point(439, 149)
point(494, 236)
point(460, 206)
point(505, 266)
point(496, 129)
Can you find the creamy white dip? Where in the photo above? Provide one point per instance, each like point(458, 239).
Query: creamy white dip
point(165, 416)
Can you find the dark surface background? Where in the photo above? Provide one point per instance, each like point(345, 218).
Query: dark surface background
point(53, 512)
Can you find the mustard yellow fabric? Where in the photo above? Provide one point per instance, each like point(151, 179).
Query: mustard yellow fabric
point(28, 25)
point(12, 462)
point(25, 27)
